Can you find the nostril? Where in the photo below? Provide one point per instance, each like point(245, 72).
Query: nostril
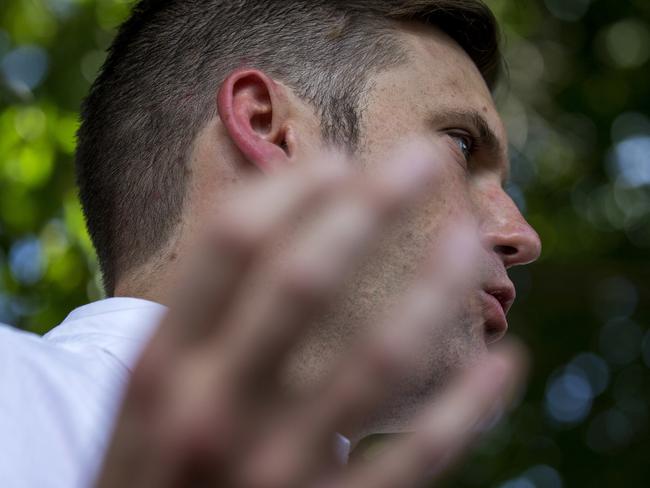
point(505, 250)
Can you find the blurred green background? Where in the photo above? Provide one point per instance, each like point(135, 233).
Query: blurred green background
point(577, 105)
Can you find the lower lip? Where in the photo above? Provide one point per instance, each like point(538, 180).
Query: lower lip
point(496, 323)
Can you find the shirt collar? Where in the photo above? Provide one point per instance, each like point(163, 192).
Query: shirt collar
point(120, 326)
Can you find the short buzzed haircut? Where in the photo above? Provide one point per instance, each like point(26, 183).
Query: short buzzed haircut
point(157, 90)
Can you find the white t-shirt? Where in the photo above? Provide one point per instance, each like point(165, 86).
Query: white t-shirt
point(59, 394)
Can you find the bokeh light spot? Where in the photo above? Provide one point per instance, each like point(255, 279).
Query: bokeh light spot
point(634, 202)
point(63, 8)
point(629, 124)
point(30, 165)
point(568, 10)
point(609, 430)
point(30, 123)
point(568, 396)
point(544, 476)
point(620, 341)
point(615, 297)
point(631, 160)
point(628, 43)
point(24, 68)
point(65, 131)
point(518, 483)
point(26, 261)
point(595, 370)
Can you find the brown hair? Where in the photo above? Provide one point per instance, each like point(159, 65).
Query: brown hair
point(156, 90)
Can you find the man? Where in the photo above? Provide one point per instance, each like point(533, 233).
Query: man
point(231, 163)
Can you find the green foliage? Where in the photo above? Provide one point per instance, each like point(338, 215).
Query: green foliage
point(577, 108)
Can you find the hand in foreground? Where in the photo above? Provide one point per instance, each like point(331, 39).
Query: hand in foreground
point(205, 408)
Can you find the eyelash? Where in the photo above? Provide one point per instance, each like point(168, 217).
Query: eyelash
point(470, 142)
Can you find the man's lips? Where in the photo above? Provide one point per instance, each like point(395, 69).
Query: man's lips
point(496, 304)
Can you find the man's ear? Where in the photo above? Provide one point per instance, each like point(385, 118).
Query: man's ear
point(254, 110)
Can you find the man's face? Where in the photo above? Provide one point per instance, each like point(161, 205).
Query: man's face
point(441, 95)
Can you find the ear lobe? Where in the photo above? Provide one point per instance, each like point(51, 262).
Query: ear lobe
point(254, 113)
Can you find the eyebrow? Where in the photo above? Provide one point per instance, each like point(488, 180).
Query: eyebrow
point(480, 129)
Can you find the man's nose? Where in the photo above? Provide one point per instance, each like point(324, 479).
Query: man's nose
point(509, 235)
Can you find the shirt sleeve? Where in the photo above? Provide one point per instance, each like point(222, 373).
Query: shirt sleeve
point(54, 412)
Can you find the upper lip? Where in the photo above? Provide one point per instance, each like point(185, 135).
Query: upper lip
point(498, 298)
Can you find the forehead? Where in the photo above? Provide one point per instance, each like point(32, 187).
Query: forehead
point(438, 77)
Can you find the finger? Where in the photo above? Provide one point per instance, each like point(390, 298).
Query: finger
point(447, 428)
point(378, 364)
point(303, 441)
point(268, 326)
point(249, 222)
point(248, 344)
point(243, 230)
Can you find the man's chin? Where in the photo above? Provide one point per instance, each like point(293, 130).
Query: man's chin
point(394, 418)
point(403, 406)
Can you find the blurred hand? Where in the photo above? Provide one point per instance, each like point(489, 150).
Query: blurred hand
point(205, 406)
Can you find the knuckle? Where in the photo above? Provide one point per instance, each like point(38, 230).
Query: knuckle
point(385, 361)
point(232, 234)
point(384, 198)
point(201, 435)
point(306, 283)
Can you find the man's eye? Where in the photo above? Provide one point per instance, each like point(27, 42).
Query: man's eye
point(465, 144)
